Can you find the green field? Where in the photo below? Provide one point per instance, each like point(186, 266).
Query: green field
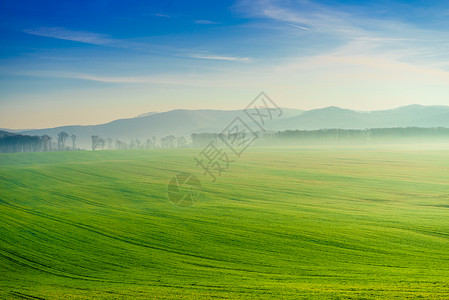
point(354, 223)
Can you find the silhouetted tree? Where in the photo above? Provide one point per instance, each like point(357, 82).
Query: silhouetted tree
point(73, 137)
point(148, 144)
point(110, 143)
point(138, 144)
point(96, 142)
point(120, 145)
point(181, 142)
point(10, 142)
point(46, 142)
point(62, 136)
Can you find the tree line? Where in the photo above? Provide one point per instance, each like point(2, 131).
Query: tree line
point(328, 136)
point(170, 141)
point(361, 136)
point(10, 142)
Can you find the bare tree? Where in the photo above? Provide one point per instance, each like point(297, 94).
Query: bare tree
point(110, 143)
point(132, 144)
point(73, 137)
point(120, 145)
point(62, 136)
point(168, 141)
point(96, 142)
point(46, 142)
point(138, 144)
point(149, 144)
point(163, 141)
point(171, 141)
point(181, 142)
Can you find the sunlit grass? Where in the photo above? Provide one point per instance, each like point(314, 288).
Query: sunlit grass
point(288, 222)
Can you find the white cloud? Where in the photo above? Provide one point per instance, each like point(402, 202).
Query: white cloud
point(306, 13)
point(172, 80)
point(205, 22)
point(70, 35)
point(405, 41)
point(180, 80)
point(99, 39)
point(162, 15)
point(300, 27)
point(219, 57)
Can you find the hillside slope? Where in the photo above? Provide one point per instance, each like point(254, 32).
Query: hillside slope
point(335, 117)
point(185, 122)
point(283, 223)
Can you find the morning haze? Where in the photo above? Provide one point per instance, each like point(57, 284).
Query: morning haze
point(245, 149)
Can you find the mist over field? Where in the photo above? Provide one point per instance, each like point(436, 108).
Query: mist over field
point(244, 149)
point(409, 124)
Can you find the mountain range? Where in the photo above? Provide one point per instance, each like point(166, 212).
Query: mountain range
point(182, 122)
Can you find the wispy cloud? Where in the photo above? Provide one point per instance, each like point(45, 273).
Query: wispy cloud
point(205, 22)
point(381, 39)
point(360, 60)
point(162, 15)
point(354, 23)
point(219, 57)
point(160, 79)
point(99, 39)
point(306, 13)
point(124, 79)
point(300, 27)
point(70, 35)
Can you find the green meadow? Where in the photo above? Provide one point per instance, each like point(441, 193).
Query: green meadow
point(293, 222)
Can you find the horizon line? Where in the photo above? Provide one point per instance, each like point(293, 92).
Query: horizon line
point(147, 114)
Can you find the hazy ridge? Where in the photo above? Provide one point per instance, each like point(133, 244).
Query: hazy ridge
point(182, 122)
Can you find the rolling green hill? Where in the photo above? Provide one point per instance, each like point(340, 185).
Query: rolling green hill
point(281, 223)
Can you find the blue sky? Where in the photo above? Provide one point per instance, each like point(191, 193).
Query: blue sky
point(88, 62)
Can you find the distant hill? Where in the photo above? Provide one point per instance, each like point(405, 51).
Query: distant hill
point(6, 133)
point(182, 122)
point(178, 122)
point(335, 117)
point(11, 131)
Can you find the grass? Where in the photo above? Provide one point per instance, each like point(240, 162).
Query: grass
point(354, 223)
